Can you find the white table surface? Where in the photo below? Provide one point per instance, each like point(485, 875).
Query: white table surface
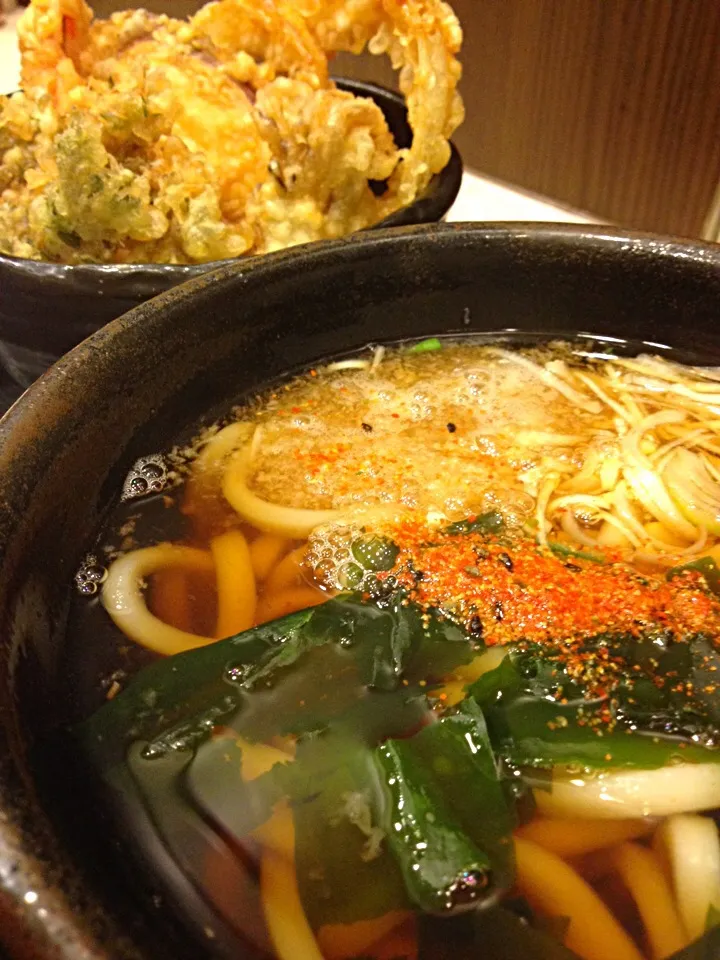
point(480, 198)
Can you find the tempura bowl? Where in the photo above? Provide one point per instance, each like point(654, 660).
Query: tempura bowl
point(66, 446)
point(47, 308)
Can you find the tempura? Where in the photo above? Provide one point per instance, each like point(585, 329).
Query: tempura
point(148, 139)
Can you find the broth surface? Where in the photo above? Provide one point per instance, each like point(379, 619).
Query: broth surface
point(482, 715)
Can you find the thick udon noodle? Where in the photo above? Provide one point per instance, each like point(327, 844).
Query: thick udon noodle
point(615, 454)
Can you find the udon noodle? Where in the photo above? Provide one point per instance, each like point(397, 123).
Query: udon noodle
point(491, 577)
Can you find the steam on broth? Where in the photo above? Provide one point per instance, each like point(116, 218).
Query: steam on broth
point(469, 695)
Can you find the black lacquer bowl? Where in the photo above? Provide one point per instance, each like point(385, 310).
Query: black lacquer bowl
point(66, 446)
point(46, 308)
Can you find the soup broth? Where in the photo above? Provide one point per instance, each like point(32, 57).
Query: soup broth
point(415, 655)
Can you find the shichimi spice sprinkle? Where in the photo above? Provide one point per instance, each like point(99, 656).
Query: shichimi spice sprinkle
point(509, 588)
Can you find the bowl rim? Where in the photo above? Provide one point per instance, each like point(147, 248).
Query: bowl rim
point(60, 932)
point(572, 236)
point(440, 194)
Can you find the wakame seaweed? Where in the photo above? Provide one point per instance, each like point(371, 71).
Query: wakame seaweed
point(705, 566)
point(443, 869)
point(340, 678)
point(454, 760)
point(537, 715)
point(177, 702)
point(499, 933)
point(491, 522)
point(398, 802)
point(706, 948)
point(449, 824)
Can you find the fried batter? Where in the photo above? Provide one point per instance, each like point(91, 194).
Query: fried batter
point(147, 139)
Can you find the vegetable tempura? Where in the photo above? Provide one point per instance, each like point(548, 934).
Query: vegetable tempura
point(148, 139)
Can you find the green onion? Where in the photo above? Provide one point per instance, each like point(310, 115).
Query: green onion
point(426, 346)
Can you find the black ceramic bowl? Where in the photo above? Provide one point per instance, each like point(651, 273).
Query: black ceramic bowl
point(66, 446)
point(46, 309)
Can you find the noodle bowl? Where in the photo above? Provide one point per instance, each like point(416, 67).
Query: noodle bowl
point(158, 377)
point(486, 688)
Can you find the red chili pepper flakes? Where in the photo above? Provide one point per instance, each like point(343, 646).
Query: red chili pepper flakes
point(541, 598)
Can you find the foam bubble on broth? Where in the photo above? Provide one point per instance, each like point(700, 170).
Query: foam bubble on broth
point(420, 430)
point(148, 475)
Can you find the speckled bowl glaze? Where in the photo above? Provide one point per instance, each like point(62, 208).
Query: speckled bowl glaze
point(66, 446)
point(47, 308)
